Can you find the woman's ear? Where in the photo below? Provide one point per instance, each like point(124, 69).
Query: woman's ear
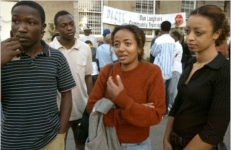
point(217, 34)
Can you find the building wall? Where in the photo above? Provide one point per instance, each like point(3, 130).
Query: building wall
point(168, 7)
point(162, 7)
point(5, 19)
point(124, 5)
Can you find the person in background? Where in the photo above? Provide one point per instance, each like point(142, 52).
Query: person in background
point(176, 68)
point(54, 35)
point(88, 36)
point(105, 33)
point(187, 54)
point(157, 34)
point(79, 58)
point(105, 53)
point(163, 51)
point(134, 86)
point(200, 114)
point(94, 64)
point(223, 48)
point(29, 84)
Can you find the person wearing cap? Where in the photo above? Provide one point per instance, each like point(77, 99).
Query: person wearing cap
point(88, 36)
point(105, 32)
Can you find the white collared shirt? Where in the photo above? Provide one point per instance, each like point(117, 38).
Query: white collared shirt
point(79, 58)
point(178, 51)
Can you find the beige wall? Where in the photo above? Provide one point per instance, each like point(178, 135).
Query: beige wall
point(124, 5)
point(168, 7)
point(162, 7)
point(5, 14)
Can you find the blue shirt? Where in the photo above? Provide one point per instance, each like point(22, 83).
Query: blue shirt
point(105, 54)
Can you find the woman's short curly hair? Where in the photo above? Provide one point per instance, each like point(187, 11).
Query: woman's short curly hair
point(138, 34)
point(216, 15)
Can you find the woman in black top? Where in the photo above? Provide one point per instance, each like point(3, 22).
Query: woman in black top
point(200, 114)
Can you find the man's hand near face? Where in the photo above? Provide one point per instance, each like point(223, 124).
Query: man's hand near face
point(9, 49)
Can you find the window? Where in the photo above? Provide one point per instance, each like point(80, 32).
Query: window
point(221, 4)
point(90, 14)
point(145, 7)
point(187, 6)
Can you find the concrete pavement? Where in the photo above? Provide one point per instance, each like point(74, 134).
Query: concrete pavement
point(156, 135)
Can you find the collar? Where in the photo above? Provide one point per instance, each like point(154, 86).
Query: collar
point(217, 62)
point(46, 51)
point(58, 45)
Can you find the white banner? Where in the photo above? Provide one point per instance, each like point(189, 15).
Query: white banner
point(118, 17)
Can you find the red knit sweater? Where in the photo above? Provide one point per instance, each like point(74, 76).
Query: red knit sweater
point(132, 120)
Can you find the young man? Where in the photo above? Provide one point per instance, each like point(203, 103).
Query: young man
point(162, 50)
point(157, 34)
point(176, 68)
point(79, 58)
point(30, 82)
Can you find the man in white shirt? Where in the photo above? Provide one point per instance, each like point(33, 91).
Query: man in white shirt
point(88, 36)
point(78, 55)
point(176, 69)
point(162, 50)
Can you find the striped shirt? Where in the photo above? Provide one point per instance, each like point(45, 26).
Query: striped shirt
point(29, 90)
point(162, 50)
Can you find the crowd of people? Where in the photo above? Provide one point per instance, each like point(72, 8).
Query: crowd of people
point(47, 86)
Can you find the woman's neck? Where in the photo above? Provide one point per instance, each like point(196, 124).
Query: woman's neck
point(127, 67)
point(206, 56)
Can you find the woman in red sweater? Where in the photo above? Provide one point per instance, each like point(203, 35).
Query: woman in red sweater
point(135, 87)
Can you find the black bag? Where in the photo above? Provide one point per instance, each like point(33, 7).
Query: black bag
point(82, 131)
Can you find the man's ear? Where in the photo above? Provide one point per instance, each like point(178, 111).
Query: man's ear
point(44, 26)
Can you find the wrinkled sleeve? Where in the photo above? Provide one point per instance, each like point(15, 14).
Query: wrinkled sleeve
point(219, 113)
point(155, 49)
point(176, 105)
